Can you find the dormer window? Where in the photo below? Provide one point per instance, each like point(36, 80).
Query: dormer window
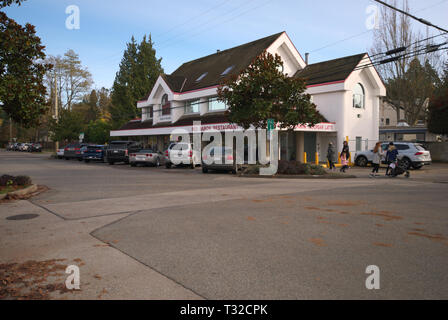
point(192, 106)
point(226, 72)
point(166, 106)
point(202, 76)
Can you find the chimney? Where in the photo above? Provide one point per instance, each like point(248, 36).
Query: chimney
point(307, 55)
point(218, 51)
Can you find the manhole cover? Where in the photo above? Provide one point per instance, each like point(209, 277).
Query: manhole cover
point(23, 216)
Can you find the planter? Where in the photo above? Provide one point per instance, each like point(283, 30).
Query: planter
point(20, 193)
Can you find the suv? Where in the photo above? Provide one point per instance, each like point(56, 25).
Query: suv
point(410, 153)
point(118, 151)
point(181, 153)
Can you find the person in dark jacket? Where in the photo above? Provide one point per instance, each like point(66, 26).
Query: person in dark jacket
point(391, 157)
point(331, 156)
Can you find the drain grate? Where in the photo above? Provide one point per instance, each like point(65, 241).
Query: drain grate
point(23, 216)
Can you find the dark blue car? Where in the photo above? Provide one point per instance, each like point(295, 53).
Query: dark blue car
point(94, 153)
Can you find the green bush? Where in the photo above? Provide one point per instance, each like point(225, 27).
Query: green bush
point(7, 180)
point(23, 180)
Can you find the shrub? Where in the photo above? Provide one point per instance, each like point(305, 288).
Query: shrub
point(23, 180)
point(7, 180)
point(315, 170)
point(291, 167)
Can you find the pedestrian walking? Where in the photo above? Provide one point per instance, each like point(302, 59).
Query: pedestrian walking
point(391, 158)
point(331, 156)
point(377, 154)
point(345, 156)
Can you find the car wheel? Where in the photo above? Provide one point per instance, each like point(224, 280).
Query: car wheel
point(204, 169)
point(111, 163)
point(168, 165)
point(361, 161)
point(417, 167)
point(406, 163)
point(66, 158)
point(86, 161)
point(133, 164)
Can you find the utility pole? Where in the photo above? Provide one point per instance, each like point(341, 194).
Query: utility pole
point(56, 110)
point(10, 129)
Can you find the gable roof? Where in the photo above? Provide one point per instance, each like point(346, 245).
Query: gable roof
point(184, 78)
point(330, 71)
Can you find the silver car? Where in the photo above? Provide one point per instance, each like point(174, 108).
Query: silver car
point(219, 161)
point(410, 153)
point(147, 157)
point(182, 153)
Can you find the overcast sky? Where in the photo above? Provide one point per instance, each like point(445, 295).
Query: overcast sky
point(186, 30)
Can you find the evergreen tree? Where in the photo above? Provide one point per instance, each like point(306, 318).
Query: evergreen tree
point(139, 70)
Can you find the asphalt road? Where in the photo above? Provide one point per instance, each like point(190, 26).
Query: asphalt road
point(153, 233)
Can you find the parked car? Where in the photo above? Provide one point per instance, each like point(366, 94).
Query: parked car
point(93, 153)
point(219, 160)
point(73, 151)
point(410, 153)
point(118, 151)
point(35, 147)
point(60, 153)
point(146, 157)
point(181, 153)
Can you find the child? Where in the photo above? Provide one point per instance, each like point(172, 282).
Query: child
point(344, 162)
point(377, 153)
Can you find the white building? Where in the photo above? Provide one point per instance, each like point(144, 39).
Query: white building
point(346, 94)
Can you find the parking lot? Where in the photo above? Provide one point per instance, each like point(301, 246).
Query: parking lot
point(157, 233)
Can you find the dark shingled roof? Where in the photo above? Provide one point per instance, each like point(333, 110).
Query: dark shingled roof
point(240, 57)
point(329, 71)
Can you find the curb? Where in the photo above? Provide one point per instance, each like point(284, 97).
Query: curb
point(32, 188)
point(320, 177)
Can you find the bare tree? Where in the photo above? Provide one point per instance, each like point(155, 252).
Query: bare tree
point(73, 80)
point(396, 31)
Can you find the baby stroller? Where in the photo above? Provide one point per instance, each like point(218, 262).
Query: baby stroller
point(398, 168)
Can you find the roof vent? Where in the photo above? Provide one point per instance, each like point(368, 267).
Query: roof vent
point(227, 71)
point(202, 76)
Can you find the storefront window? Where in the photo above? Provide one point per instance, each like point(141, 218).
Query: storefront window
point(192, 106)
point(214, 104)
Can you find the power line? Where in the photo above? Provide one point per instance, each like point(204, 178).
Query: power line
point(411, 16)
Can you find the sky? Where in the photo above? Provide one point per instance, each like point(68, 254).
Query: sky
point(187, 30)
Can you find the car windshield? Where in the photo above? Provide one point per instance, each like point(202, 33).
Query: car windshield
point(118, 146)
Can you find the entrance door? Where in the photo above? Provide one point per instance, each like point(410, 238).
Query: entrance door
point(310, 146)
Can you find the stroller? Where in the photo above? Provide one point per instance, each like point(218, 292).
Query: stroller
point(398, 168)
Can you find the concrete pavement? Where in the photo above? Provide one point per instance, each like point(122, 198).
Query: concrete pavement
point(150, 233)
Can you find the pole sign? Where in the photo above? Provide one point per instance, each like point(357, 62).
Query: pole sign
point(270, 127)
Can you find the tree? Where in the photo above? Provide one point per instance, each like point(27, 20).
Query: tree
point(98, 131)
point(22, 92)
point(438, 107)
point(395, 31)
point(263, 92)
point(139, 70)
point(68, 127)
point(7, 3)
point(413, 90)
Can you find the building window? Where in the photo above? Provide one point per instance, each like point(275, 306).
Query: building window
point(166, 106)
point(387, 121)
point(214, 104)
point(148, 112)
point(358, 96)
point(192, 106)
point(358, 143)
